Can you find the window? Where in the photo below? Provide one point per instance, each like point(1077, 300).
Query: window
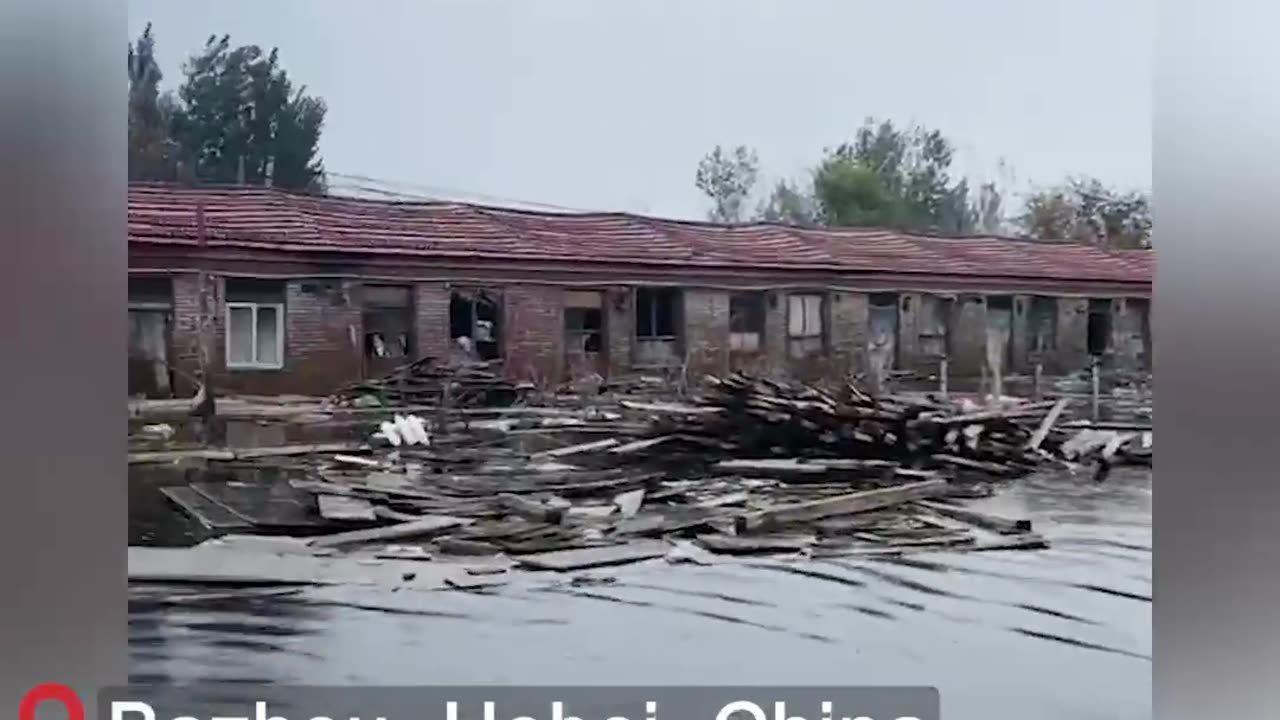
point(584, 326)
point(1042, 324)
point(255, 324)
point(804, 316)
point(473, 322)
point(255, 338)
point(387, 314)
point(656, 312)
point(746, 321)
point(804, 325)
point(658, 322)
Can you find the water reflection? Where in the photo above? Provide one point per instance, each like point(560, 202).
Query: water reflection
point(1059, 633)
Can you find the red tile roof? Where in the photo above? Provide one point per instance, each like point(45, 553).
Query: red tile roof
point(265, 218)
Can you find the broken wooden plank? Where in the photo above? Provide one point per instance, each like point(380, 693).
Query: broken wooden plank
point(771, 466)
point(639, 445)
point(208, 512)
point(465, 547)
point(531, 509)
point(426, 525)
point(739, 545)
point(628, 503)
point(583, 558)
point(841, 505)
point(1028, 541)
point(357, 460)
point(577, 449)
point(1047, 424)
point(164, 456)
point(469, 581)
point(995, 523)
point(345, 508)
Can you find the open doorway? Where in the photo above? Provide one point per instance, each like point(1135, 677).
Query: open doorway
point(584, 334)
point(1099, 327)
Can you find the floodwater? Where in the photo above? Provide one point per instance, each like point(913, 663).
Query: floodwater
point(1059, 633)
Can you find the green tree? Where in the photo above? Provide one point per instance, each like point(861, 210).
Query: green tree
point(241, 120)
point(153, 155)
point(728, 178)
point(893, 178)
point(788, 204)
point(1086, 210)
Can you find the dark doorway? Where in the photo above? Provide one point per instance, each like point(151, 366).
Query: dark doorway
point(474, 323)
point(1099, 327)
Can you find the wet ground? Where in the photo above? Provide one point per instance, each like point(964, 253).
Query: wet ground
point(1060, 633)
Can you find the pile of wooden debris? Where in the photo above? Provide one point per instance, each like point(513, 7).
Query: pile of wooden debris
point(427, 382)
point(753, 466)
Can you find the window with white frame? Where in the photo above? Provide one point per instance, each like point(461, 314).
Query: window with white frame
point(805, 329)
point(254, 325)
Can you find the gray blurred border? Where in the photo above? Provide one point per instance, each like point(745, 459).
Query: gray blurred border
point(1217, 234)
point(62, 205)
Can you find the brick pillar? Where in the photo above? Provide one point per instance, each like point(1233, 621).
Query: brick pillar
point(848, 332)
point(186, 333)
point(533, 333)
point(969, 342)
point(775, 333)
point(908, 339)
point(1072, 349)
point(706, 327)
point(431, 320)
point(1018, 340)
point(619, 326)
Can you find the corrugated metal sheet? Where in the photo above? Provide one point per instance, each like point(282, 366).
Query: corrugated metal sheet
point(265, 218)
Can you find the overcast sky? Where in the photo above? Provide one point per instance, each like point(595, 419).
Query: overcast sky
point(609, 104)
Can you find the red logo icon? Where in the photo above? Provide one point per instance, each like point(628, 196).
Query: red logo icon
point(51, 692)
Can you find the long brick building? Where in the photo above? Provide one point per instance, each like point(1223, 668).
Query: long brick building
point(304, 293)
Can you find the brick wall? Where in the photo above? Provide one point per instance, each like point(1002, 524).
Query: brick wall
point(848, 332)
point(1072, 350)
point(969, 342)
point(185, 333)
point(431, 320)
point(774, 363)
point(909, 334)
point(1018, 339)
point(324, 335)
point(533, 333)
point(706, 327)
point(619, 326)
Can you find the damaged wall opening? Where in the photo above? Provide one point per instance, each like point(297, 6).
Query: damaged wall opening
point(1099, 333)
point(882, 319)
point(746, 322)
point(934, 322)
point(473, 323)
point(387, 316)
point(659, 319)
point(584, 344)
point(806, 326)
point(150, 336)
point(1000, 329)
point(255, 324)
point(1042, 326)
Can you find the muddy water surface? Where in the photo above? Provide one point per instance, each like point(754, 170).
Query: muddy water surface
point(1060, 633)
